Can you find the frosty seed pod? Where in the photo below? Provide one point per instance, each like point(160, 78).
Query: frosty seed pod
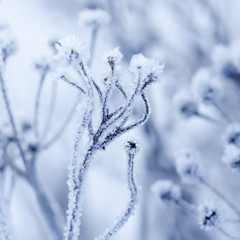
point(209, 216)
point(132, 146)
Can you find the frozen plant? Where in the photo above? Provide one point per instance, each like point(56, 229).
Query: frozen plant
point(110, 125)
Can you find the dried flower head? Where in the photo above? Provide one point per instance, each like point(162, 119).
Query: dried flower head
point(206, 88)
point(231, 157)
point(189, 166)
point(113, 57)
point(232, 134)
point(148, 69)
point(132, 146)
point(166, 191)
point(209, 216)
point(92, 17)
point(71, 51)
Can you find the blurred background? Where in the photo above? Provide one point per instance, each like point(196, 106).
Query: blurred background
point(187, 36)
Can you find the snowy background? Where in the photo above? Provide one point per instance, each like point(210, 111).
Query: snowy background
point(199, 44)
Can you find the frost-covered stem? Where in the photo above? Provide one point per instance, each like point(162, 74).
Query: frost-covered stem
point(50, 110)
point(46, 206)
point(118, 113)
point(122, 110)
point(123, 218)
point(37, 103)
point(12, 121)
point(42, 199)
point(78, 171)
point(186, 206)
point(90, 79)
point(226, 233)
point(221, 196)
point(121, 131)
point(93, 42)
point(75, 201)
point(62, 128)
point(224, 115)
point(208, 118)
point(5, 228)
point(106, 96)
point(6, 231)
point(65, 79)
point(121, 90)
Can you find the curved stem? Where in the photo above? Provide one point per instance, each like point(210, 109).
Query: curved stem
point(121, 131)
point(62, 129)
point(37, 103)
point(221, 196)
point(128, 211)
